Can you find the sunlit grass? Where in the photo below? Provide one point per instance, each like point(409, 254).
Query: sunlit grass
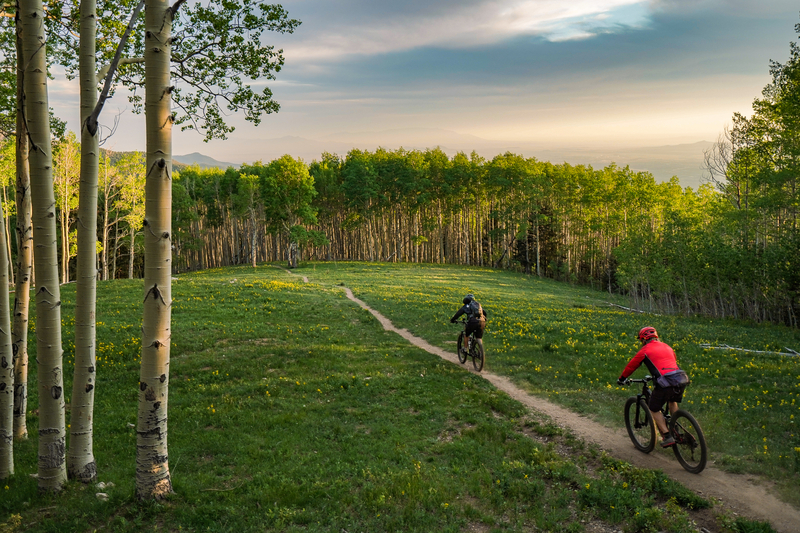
point(569, 345)
point(291, 409)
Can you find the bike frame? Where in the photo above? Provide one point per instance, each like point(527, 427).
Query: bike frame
point(645, 395)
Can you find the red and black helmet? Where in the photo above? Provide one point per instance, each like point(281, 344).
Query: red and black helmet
point(647, 333)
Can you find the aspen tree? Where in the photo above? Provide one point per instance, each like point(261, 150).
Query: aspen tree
point(52, 472)
point(152, 461)
point(6, 364)
point(24, 266)
point(80, 460)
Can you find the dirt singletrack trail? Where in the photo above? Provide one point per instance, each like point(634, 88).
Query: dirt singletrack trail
point(741, 494)
point(745, 495)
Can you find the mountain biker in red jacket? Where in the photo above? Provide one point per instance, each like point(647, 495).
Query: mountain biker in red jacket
point(670, 380)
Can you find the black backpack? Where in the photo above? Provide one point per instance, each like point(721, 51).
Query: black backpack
point(475, 310)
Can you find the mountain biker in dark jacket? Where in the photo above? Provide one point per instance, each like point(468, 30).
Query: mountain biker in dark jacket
point(670, 380)
point(476, 316)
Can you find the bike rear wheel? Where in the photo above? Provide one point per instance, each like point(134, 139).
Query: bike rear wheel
point(639, 423)
point(462, 352)
point(477, 354)
point(690, 444)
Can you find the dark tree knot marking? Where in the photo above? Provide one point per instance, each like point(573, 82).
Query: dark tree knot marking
point(91, 370)
point(142, 386)
point(156, 295)
point(3, 362)
point(150, 395)
point(44, 289)
point(89, 387)
point(163, 378)
point(2, 387)
point(156, 406)
point(55, 392)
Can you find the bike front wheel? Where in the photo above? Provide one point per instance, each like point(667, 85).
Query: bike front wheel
point(639, 423)
point(690, 444)
point(477, 354)
point(462, 352)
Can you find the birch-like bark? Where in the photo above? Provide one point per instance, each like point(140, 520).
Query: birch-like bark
point(80, 459)
point(6, 364)
point(152, 466)
point(52, 435)
point(24, 231)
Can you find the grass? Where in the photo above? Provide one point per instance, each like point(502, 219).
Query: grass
point(567, 344)
point(291, 409)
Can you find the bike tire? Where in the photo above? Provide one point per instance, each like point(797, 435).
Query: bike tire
point(478, 356)
point(639, 423)
point(462, 353)
point(690, 443)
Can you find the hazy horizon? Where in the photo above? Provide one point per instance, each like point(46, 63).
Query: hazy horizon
point(590, 75)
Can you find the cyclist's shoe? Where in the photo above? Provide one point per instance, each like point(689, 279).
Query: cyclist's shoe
point(667, 441)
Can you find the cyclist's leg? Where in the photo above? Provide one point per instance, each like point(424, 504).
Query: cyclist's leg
point(657, 401)
point(675, 398)
point(658, 418)
point(477, 326)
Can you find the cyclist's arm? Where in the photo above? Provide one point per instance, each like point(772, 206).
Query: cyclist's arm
point(458, 313)
point(633, 364)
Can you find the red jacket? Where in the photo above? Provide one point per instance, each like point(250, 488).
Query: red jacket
point(658, 356)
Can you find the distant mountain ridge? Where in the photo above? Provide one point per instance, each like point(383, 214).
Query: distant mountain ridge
point(202, 161)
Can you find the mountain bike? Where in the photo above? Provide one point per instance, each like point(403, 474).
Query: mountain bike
point(473, 347)
point(690, 444)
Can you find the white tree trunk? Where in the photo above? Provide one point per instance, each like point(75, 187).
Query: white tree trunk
point(6, 364)
point(131, 253)
point(152, 466)
point(24, 230)
point(80, 460)
point(52, 435)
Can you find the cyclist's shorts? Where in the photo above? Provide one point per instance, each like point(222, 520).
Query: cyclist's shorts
point(662, 395)
point(477, 326)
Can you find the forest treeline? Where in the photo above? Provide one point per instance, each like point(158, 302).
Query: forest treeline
point(669, 248)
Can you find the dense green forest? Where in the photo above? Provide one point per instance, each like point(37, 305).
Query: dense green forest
point(728, 249)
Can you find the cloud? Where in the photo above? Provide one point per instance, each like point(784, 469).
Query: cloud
point(458, 25)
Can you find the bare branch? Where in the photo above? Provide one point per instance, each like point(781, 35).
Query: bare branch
point(91, 122)
point(101, 75)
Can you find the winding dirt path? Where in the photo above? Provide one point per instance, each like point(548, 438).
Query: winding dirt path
point(744, 495)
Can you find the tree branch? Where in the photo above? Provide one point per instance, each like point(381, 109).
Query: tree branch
point(101, 75)
point(91, 122)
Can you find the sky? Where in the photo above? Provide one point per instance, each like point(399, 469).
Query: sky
point(530, 74)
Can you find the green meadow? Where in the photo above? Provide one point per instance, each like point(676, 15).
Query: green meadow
point(569, 344)
point(291, 409)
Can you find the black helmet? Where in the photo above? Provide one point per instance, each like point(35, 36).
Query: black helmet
point(468, 298)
